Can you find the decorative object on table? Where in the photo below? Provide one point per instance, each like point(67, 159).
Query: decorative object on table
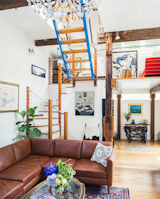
point(137, 148)
point(133, 121)
point(125, 60)
point(26, 125)
point(59, 9)
point(35, 70)
point(135, 109)
point(9, 97)
point(145, 122)
point(127, 116)
point(59, 176)
point(134, 131)
point(84, 103)
point(101, 154)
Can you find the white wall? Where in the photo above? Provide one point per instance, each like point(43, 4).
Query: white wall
point(157, 119)
point(15, 67)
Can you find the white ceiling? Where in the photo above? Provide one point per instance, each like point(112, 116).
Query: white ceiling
point(119, 15)
point(116, 15)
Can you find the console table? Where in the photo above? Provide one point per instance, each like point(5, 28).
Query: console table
point(136, 131)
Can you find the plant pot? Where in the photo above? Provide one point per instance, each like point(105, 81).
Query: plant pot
point(127, 122)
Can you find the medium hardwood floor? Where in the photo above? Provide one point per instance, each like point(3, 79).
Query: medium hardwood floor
point(138, 170)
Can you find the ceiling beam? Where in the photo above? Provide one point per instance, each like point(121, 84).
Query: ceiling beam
point(133, 35)
point(8, 4)
point(46, 42)
point(155, 89)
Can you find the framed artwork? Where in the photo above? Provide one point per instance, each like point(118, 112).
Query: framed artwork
point(35, 70)
point(84, 103)
point(135, 109)
point(124, 60)
point(9, 97)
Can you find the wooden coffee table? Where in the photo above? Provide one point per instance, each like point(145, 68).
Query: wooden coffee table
point(77, 191)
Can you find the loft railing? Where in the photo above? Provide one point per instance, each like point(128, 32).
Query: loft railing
point(63, 117)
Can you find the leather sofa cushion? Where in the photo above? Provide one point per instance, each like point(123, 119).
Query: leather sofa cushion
point(35, 160)
point(88, 168)
point(88, 147)
point(9, 188)
point(42, 147)
point(20, 172)
point(55, 160)
point(22, 149)
point(7, 157)
point(67, 148)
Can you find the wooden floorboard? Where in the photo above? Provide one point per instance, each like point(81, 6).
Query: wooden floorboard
point(138, 170)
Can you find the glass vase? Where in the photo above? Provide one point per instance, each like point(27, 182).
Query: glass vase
point(55, 191)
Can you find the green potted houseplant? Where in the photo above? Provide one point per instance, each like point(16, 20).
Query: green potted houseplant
point(26, 129)
point(127, 116)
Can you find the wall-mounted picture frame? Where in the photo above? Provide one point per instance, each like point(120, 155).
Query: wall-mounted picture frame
point(124, 60)
point(84, 103)
point(35, 70)
point(9, 97)
point(135, 109)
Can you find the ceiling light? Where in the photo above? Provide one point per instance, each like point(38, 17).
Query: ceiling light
point(66, 11)
point(117, 36)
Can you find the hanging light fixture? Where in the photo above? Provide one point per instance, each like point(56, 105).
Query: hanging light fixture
point(64, 10)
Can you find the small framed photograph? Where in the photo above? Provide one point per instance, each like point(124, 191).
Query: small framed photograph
point(9, 97)
point(35, 70)
point(135, 109)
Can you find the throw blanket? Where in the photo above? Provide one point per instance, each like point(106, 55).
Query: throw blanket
point(92, 131)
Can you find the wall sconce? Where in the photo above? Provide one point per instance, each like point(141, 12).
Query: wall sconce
point(31, 50)
point(117, 36)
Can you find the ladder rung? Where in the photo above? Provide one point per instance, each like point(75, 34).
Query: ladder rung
point(79, 69)
point(82, 78)
point(47, 111)
point(77, 60)
point(71, 30)
point(75, 51)
point(70, 87)
point(60, 138)
point(46, 133)
point(42, 125)
point(44, 118)
point(52, 105)
point(63, 93)
point(73, 41)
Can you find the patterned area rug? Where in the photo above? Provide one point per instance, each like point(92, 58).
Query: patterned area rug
point(92, 192)
point(137, 148)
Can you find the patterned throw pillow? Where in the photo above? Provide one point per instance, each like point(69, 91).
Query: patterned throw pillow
point(101, 154)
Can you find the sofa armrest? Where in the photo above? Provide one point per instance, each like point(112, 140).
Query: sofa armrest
point(110, 168)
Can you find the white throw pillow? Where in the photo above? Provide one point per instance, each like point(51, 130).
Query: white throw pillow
point(101, 154)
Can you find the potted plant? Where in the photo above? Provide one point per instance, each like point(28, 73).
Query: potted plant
point(127, 116)
point(26, 129)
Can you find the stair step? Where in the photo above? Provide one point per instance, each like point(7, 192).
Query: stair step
point(77, 60)
point(81, 78)
point(79, 69)
point(71, 30)
point(73, 41)
point(52, 105)
point(44, 118)
point(75, 51)
point(69, 87)
point(47, 111)
point(63, 93)
point(43, 125)
point(60, 138)
point(46, 133)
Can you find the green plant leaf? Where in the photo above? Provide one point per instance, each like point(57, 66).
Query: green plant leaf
point(31, 132)
point(37, 132)
point(25, 137)
point(31, 111)
point(23, 128)
point(23, 114)
point(37, 115)
point(59, 163)
point(19, 122)
point(29, 120)
point(17, 137)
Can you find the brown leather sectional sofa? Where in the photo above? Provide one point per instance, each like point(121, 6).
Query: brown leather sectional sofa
point(22, 164)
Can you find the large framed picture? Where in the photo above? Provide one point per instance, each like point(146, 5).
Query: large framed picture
point(35, 70)
point(84, 103)
point(135, 109)
point(9, 97)
point(124, 60)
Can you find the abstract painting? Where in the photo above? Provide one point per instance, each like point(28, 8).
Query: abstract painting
point(9, 97)
point(124, 60)
point(84, 103)
point(135, 109)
